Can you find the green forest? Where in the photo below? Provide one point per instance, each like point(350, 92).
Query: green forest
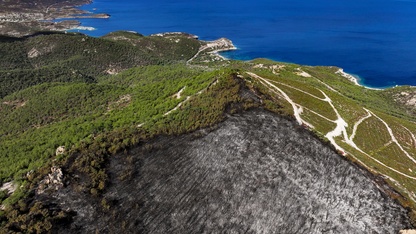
point(98, 97)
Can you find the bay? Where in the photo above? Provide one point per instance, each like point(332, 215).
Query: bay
point(374, 40)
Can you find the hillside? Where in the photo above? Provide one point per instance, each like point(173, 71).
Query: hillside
point(58, 57)
point(108, 103)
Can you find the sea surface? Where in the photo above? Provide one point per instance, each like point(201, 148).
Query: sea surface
point(375, 40)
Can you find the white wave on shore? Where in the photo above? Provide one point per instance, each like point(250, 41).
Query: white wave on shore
point(352, 78)
point(85, 28)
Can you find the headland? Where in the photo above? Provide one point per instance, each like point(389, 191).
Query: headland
point(21, 18)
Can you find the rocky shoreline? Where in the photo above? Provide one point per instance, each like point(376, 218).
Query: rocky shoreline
point(21, 18)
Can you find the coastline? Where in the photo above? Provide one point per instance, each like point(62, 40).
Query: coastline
point(21, 20)
point(83, 28)
point(218, 52)
point(257, 40)
point(354, 79)
point(70, 13)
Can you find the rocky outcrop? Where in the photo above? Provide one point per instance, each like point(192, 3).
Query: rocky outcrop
point(60, 150)
point(407, 98)
point(174, 34)
point(33, 53)
point(9, 187)
point(123, 101)
point(52, 182)
point(15, 103)
point(410, 231)
point(222, 44)
point(93, 16)
point(348, 76)
point(209, 51)
point(20, 17)
point(41, 49)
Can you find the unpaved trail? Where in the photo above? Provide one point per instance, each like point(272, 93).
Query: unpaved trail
point(316, 113)
point(393, 138)
point(354, 131)
point(411, 194)
point(178, 94)
point(302, 73)
point(328, 86)
point(411, 134)
point(177, 106)
point(296, 110)
point(300, 90)
point(341, 124)
point(340, 129)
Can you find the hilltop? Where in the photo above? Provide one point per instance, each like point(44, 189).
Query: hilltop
point(80, 115)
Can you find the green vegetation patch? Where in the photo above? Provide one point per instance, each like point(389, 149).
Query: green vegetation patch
point(320, 124)
point(39, 119)
point(79, 58)
point(392, 155)
point(371, 135)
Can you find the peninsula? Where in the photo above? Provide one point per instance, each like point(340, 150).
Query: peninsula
point(20, 18)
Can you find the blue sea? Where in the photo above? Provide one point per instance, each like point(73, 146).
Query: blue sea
point(375, 40)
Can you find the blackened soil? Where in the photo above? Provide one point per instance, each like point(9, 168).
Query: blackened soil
point(256, 173)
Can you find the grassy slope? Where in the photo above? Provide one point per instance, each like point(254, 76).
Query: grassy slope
point(379, 151)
